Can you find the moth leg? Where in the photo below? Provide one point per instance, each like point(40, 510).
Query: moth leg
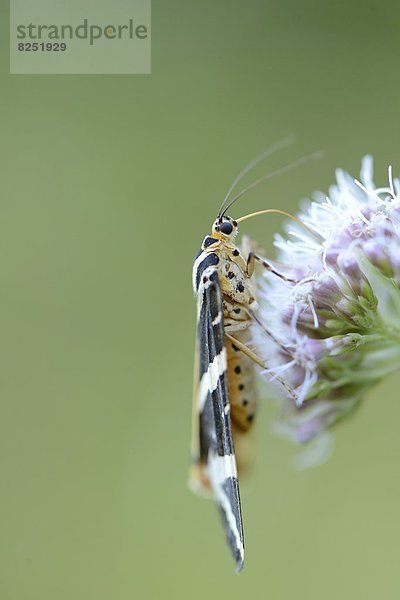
point(278, 342)
point(251, 263)
point(246, 350)
point(238, 326)
point(233, 327)
point(259, 361)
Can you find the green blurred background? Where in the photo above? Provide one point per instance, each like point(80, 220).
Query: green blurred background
point(108, 184)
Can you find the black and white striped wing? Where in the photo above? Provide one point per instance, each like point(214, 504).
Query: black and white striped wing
point(215, 451)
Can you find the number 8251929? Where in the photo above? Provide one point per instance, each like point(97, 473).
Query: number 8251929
point(42, 46)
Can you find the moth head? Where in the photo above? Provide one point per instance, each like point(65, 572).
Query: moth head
point(224, 228)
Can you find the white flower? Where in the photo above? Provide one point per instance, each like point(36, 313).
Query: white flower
point(336, 331)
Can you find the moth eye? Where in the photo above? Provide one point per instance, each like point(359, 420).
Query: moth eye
point(226, 228)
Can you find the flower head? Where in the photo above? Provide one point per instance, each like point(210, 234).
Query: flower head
point(336, 331)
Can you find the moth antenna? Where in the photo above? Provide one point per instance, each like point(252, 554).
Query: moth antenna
point(255, 161)
point(279, 212)
point(289, 167)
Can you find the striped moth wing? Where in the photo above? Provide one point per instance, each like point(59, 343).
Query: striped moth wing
point(213, 458)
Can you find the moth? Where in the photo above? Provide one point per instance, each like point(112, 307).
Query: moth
point(225, 402)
